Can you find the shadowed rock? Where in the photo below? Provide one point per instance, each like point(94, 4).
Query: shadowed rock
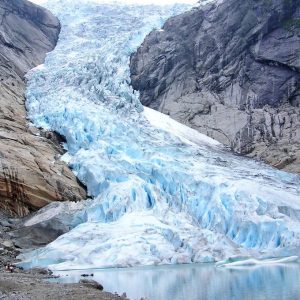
point(91, 283)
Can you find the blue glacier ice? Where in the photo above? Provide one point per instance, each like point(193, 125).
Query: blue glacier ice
point(161, 193)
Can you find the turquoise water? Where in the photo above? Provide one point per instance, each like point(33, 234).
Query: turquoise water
point(197, 282)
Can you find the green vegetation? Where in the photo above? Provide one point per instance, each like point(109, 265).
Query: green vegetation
point(291, 24)
point(285, 2)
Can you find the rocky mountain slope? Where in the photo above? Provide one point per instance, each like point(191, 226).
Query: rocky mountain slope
point(231, 70)
point(31, 174)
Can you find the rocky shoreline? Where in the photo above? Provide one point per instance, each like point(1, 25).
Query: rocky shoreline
point(32, 284)
point(21, 286)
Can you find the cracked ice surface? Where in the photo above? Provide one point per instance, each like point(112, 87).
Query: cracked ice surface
point(162, 193)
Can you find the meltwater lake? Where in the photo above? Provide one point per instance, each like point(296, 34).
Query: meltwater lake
point(197, 281)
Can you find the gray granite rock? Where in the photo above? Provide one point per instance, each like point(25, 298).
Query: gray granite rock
point(231, 70)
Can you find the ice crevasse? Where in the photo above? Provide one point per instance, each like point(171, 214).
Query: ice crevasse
point(161, 193)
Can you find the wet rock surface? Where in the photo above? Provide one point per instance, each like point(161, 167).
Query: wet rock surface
point(8, 250)
point(230, 70)
point(31, 174)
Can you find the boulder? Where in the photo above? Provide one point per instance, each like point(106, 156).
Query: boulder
point(91, 283)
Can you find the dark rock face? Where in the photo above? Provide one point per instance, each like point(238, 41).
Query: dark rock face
point(91, 283)
point(231, 70)
point(8, 251)
point(31, 174)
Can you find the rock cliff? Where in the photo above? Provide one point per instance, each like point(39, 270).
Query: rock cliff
point(31, 174)
point(231, 70)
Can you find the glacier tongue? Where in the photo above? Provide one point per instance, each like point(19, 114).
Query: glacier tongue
point(162, 193)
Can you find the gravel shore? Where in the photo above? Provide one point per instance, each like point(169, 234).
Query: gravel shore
point(21, 286)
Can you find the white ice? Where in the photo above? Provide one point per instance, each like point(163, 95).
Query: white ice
point(162, 193)
point(251, 262)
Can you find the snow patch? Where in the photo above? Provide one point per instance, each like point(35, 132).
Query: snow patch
point(185, 133)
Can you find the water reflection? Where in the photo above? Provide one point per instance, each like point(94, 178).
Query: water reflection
point(198, 282)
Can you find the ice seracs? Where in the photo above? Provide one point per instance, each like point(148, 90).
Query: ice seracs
point(162, 193)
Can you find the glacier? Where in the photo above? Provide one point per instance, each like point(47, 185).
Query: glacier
point(161, 193)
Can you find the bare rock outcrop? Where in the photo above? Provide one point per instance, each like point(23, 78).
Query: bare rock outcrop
point(31, 174)
point(231, 70)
